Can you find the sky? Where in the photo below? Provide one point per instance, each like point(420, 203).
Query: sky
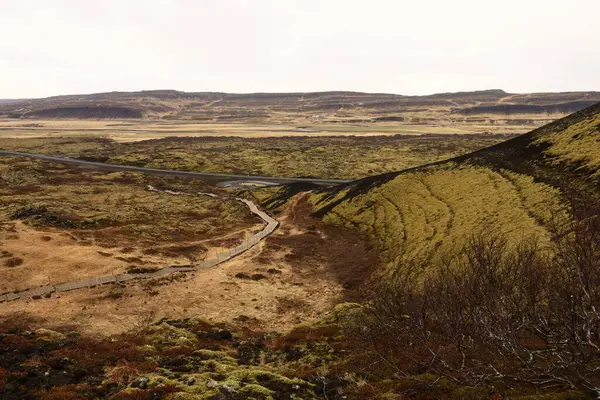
point(385, 46)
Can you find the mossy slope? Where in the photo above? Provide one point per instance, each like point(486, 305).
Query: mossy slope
point(518, 188)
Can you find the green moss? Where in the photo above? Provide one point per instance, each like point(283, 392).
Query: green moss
point(191, 396)
point(219, 367)
point(577, 144)
point(334, 157)
point(166, 373)
point(247, 381)
point(220, 356)
point(147, 350)
point(164, 335)
point(417, 218)
point(158, 379)
point(253, 391)
point(268, 379)
point(343, 310)
point(47, 335)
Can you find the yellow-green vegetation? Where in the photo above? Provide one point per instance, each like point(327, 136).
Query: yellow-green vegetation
point(112, 207)
point(303, 157)
point(519, 189)
point(176, 359)
point(323, 157)
point(268, 192)
point(58, 145)
point(418, 218)
point(577, 145)
point(211, 372)
point(496, 248)
point(542, 201)
point(193, 359)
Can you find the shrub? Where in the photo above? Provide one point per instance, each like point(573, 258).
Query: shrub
point(13, 262)
point(493, 313)
point(158, 392)
point(4, 374)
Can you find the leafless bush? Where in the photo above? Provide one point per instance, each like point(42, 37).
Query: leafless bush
point(528, 314)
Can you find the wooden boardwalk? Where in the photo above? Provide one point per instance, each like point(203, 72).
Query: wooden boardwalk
point(45, 291)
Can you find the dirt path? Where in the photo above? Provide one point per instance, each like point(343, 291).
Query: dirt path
point(228, 254)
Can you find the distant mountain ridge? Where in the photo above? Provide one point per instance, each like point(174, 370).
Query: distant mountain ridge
point(265, 107)
point(11, 100)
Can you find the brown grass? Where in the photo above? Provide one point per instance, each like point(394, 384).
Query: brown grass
point(306, 288)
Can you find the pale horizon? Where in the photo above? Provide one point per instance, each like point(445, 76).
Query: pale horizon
point(267, 46)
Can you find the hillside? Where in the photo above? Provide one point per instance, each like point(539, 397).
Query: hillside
point(518, 188)
point(348, 107)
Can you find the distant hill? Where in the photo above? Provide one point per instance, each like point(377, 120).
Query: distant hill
point(350, 107)
point(519, 188)
point(6, 101)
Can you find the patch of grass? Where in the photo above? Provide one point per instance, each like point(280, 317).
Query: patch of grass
point(117, 209)
point(576, 145)
point(13, 262)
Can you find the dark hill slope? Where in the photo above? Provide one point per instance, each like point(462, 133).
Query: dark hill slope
point(510, 109)
point(565, 153)
point(519, 188)
point(84, 112)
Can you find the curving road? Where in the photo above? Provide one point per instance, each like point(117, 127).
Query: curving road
point(273, 180)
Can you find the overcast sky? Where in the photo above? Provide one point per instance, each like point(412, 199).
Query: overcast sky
point(393, 46)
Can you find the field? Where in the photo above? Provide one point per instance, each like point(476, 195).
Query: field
point(322, 157)
point(97, 224)
point(62, 224)
point(137, 130)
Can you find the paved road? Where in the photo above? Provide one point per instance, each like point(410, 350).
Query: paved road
point(201, 175)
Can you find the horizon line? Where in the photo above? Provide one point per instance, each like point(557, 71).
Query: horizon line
point(293, 93)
